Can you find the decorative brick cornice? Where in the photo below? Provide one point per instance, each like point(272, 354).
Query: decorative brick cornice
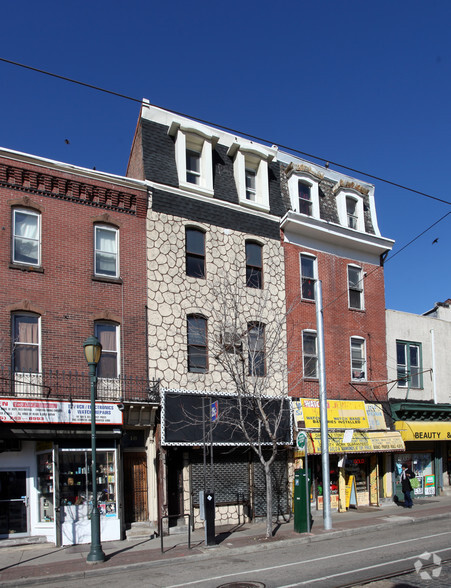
point(52, 186)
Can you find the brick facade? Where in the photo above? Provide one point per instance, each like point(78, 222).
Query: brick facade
point(63, 290)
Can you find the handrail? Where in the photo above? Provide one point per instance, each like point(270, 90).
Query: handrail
point(173, 517)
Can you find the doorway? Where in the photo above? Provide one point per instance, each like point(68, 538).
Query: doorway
point(13, 502)
point(135, 487)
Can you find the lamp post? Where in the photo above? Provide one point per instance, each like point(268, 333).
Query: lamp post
point(93, 351)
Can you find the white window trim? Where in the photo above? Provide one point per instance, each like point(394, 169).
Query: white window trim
point(116, 231)
point(305, 178)
point(343, 213)
point(198, 139)
point(31, 213)
point(315, 273)
point(365, 364)
point(310, 332)
point(362, 293)
point(255, 157)
point(38, 344)
point(118, 345)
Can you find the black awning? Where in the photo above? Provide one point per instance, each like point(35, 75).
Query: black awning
point(186, 415)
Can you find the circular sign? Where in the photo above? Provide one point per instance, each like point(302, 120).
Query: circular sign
point(300, 440)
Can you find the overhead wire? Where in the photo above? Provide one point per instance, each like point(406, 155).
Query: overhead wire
point(231, 130)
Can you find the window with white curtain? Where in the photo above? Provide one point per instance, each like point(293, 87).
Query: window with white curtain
point(106, 258)
point(108, 335)
point(26, 342)
point(26, 237)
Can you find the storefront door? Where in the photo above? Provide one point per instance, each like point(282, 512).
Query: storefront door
point(135, 487)
point(13, 502)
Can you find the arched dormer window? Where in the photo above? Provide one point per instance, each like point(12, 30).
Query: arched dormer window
point(303, 186)
point(350, 208)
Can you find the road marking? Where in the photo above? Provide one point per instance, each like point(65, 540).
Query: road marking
point(316, 559)
point(387, 563)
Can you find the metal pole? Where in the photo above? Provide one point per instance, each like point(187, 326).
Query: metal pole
point(96, 554)
point(323, 408)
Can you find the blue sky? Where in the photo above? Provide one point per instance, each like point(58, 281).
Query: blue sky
point(364, 84)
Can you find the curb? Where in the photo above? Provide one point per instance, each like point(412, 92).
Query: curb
point(207, 552)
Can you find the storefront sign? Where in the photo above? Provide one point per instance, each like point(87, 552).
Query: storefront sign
point(362, 442)
point(14, 410)
point(424, 431)
point(429, 485)
point(341, 414)
point(376, 419)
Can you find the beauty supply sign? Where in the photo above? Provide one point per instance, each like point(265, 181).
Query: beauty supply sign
point(33, 411)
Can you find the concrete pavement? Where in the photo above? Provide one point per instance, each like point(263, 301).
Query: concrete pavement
point(35, 563)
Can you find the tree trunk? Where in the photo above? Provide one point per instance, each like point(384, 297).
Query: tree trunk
point(267, 467)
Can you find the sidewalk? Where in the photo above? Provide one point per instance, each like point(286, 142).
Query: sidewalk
point(34, 563)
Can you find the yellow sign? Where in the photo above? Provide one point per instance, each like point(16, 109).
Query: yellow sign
point(424, 430)
point(341, 414)
point(361, 442)
point(351, 492)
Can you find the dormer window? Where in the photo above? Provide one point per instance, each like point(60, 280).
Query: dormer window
point(305, 198)
point(303, 185)
point(194, 156)
point(350, 206)
point(250, 168)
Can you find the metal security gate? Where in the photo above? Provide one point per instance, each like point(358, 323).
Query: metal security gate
point(135, 487)
point(239, 479)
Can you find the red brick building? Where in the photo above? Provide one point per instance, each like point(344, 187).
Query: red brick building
point(72, 264)
point(331, 235)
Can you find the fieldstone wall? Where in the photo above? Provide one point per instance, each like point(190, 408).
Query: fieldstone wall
point(172, 295)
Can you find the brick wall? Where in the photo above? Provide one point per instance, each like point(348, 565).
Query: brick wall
point(340, 324)
point(63, 290)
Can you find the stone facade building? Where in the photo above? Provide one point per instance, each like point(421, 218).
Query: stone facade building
point(215, 272)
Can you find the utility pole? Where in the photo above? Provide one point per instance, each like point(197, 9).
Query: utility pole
point(327, 520)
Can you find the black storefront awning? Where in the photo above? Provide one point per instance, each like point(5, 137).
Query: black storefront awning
point(188, 417)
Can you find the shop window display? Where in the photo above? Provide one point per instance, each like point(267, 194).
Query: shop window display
point(422, 465)
point(76, 481)
point(45, 487)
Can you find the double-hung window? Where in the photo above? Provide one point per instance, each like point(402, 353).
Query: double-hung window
point(106, 251)
point(108, 335)
point(197, 344)
point(26, 237)
point(408, 359)
point(193, 166)
point(305, 198)
point(195, 253)
point(27, 343)
point(256, 349)
point(358, 359)
point(351, 212)
point(254, 265)
point(310, 354)
point(355, 287)
point(308, 277)
point(251, 184)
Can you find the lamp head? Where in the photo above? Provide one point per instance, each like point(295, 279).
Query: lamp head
point(92, 349)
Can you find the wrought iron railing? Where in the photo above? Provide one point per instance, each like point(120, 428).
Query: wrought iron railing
point(62, 385)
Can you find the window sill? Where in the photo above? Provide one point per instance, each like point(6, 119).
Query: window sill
point(256, 205)
point(107, 280)
point(309, 300)
point(195, 188)
point(356, 309)
point(26, 268)
point(311, 380)
point(360, 381)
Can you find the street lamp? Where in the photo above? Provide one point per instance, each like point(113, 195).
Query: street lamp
point(93, 351)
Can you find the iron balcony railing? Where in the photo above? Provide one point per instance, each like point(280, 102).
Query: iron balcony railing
point(62, 385)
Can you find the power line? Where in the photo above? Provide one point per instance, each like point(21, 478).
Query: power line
point(234, 131)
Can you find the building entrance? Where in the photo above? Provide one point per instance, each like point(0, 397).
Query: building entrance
point(13, 502)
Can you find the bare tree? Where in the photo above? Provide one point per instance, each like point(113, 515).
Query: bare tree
point(250, 346)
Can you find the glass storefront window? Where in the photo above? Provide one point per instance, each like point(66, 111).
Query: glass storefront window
point(76, 482)
point(357, 467)
point(421, 464)
point(45, 487)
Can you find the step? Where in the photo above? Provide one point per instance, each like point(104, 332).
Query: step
point(141, 530)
